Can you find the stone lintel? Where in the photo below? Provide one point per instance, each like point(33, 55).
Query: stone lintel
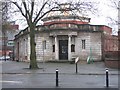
point(63, 33)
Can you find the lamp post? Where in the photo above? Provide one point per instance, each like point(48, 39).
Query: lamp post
point(43, 43)
point(4, 45)
point(13, 52)
point(119, 33)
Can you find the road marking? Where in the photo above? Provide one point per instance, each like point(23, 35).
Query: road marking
point(10, 82)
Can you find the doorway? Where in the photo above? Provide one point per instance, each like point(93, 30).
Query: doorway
point(63, 49)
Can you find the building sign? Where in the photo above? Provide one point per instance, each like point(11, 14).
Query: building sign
point(10, 43)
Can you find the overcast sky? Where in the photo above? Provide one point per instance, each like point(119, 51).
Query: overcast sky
point(106, 11)
point(100, 19)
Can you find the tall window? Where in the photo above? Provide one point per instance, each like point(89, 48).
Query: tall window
point(83, 44)
point(44, 44)
point(53, 48)
point(72, 48)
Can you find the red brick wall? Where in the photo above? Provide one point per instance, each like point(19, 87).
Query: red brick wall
point(2, 52)
point(110, 43)
point(14, 27)
point(111, 59)
point(112, 63)
point(111, 54)
point(106, 29)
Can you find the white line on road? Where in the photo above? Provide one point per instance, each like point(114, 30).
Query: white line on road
point(10, 82)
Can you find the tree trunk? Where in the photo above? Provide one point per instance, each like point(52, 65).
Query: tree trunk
point(33, 61)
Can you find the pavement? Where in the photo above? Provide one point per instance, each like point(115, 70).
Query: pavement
point(95, 68)
point(18, 75)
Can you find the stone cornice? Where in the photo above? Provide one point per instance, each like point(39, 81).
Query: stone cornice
point(78, 28)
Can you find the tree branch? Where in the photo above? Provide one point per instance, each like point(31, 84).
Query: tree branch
point(16, 4)
point(32, 8)
point(28, 16)
point(25, 7)
point(45, 14)
point(35, 20)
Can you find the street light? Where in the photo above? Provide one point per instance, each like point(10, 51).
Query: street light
point(4, 45)
point(43, 43)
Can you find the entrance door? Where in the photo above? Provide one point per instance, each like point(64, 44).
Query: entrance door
point(63, 49)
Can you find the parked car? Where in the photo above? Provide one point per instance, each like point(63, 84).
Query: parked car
point(5, 57)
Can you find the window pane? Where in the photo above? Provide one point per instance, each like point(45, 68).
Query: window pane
point(83, 44)
point(53, 48)
point(44, 44)
point(72, 48)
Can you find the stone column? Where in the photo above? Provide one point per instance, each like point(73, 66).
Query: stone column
point(28, 48)
point(56, 48)
point(69, 47)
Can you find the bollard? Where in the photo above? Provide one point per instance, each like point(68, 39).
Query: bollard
point(76, 61)
point(76, 69)
point(107, 78)
point(57, 78)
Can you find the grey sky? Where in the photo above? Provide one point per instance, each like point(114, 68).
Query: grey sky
point(101, 19)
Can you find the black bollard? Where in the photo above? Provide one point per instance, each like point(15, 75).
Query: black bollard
point(107, 78)
point(57, 78)
point(76, 61)
point(76, 69)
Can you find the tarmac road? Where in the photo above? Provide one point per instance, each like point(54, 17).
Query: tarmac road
point(65, 81)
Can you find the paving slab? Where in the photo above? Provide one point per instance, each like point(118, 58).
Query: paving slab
point(65, 68)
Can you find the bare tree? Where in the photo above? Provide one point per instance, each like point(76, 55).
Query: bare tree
point(34, 10)
point(28, 12)
point(5, 14)
point(5, 24)
point(113, 21)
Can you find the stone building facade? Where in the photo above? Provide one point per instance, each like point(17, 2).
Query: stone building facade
point(63, 37)
point(61, 45)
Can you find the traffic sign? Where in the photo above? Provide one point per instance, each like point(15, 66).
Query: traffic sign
point(77, 59)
